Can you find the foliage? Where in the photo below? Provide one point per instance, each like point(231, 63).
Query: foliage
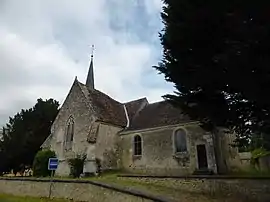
point(76, 165)
point(24, 134)
point(40, 165)
point(98, 164)
point(258, 153)
point(250, 142)
point(216, 53)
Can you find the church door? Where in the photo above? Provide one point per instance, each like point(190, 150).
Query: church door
point(202, 157)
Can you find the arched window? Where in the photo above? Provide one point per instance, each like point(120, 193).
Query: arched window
point(69, 134)
point(180, 141)
point(137, 145)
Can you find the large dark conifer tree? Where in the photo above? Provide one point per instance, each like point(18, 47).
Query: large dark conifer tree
point(217, 53)
point(25, 133)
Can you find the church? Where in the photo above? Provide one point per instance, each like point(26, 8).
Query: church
point(135, 137)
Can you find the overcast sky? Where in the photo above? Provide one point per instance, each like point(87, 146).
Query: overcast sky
point(45, 44)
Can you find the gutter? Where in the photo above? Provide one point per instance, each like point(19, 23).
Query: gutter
point(158, 128)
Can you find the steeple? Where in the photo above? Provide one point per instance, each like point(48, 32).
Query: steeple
point(90, 76)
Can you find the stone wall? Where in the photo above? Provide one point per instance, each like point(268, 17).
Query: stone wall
point(245, 189)
point(76, 190)
point(158, 151)
point(106, 146)
point(63, 168)
point(244, 161)
point(76, 106)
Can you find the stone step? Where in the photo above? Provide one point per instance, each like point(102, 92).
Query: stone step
point(203, 172)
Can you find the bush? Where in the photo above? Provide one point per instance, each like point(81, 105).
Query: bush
point(258, 153)
point(76, 165)
point(40, 164)
point(98, 164)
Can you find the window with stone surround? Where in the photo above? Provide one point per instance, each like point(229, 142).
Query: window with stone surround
point(180, 141)
point(137, 145)
point(69, 134)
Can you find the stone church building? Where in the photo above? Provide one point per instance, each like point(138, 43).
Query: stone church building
point(136, 137)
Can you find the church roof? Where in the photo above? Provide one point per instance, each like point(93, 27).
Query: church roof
point(158, 114)
point(134, 106)
point(108, 110)
point(142, 115)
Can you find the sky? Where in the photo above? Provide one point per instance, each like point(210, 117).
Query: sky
point(45, 44)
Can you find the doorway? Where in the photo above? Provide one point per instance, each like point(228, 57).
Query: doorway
point(202, 157)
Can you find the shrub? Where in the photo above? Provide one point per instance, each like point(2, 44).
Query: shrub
point(258, 153)
point(40, 164)
point(76, 165)
point(98, 164)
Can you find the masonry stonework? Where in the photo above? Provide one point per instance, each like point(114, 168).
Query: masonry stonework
point(74, 106)
point(104, 130)
point(246, 190)
point(74, 191)
point(158, 151)
point(106, 146)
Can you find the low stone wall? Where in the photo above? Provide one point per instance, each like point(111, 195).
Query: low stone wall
point(78, 190)
point(246, 189)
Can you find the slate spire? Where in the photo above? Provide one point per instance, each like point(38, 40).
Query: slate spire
point(90, 76)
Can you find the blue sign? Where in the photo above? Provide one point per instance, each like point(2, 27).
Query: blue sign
point(52, 164)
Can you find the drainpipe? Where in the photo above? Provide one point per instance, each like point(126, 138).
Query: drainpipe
point(125, 109)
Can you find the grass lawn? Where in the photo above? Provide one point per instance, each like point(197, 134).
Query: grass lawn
point(10, 198)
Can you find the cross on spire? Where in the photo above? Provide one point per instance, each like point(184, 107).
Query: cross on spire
point(92, 51)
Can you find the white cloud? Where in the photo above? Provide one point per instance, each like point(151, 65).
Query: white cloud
point(45, 44)
point(153, 6)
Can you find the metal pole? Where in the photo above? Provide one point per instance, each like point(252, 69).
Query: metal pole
point(51, 182)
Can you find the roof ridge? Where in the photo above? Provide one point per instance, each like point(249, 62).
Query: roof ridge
point(158, 102)
point(158, 114)
point(107, 108)
point(135, 100)
point(99, 92)
point(108, 96)
point(85, 95)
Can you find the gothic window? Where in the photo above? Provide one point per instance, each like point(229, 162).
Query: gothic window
point(69, 134)
point(180, 141)
point(137, 145)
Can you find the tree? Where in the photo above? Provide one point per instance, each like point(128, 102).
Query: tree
point(25, 132)
point(216, 53)
point(2, 153)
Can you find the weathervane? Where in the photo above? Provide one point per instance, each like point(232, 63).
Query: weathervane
point(92, 51)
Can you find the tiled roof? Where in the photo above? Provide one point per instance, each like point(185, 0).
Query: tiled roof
point(156, 115)
point(142, 115)
point(107, 109)
point(134, 106)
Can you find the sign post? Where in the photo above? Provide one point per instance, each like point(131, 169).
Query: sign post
point(52, 166)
